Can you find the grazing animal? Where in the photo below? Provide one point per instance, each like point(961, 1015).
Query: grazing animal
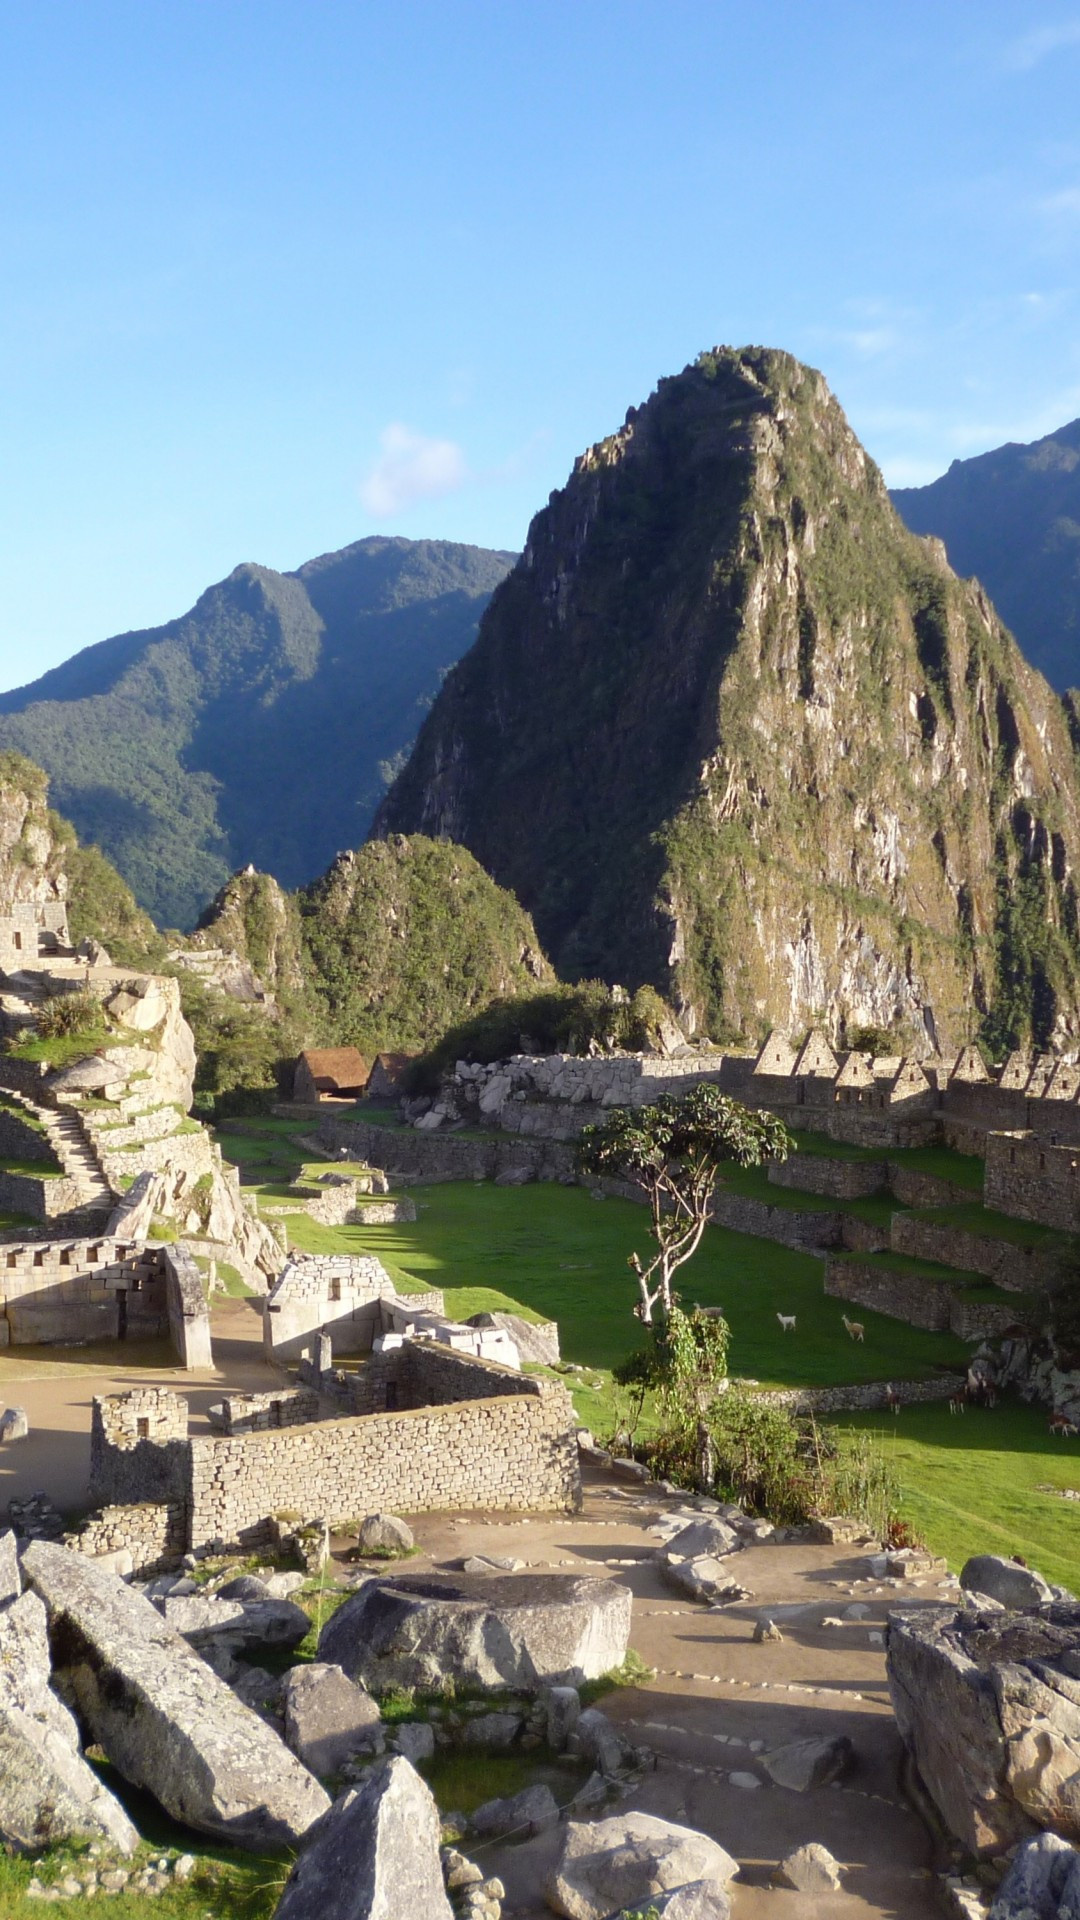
point(787, 1322)
point(1060, 1423)
point(853, 1328)
point(958, 1403)
point(892, 1400)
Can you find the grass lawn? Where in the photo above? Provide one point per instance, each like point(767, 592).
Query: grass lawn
point(972, 1217)
point(971, 1483)
point(564, 1254)
point(963, 1169)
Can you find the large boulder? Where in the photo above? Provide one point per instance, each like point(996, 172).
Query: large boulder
point(988, 1704)
point(328, 1718)
point(816, 1762)
point(1042, 1883)
point(1014, 1586)
point(47, 1792)
point(374, 1857)
point(537, 1341)
point(625, 1862)
point(163, 1717)
point(701, 1537)
point(212, 1619)
point(384, 1533)
point(481, 1630)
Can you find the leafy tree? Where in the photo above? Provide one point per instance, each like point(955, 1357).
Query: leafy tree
point(673, 1152)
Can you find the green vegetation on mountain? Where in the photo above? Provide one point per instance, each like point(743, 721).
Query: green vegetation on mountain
point(730, 729)
point(559, 1018)
point(1012, 517)
point(261, 726)
point(405, 938)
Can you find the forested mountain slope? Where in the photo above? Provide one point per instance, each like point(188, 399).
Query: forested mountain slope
point(262, 726)
point(1012, 517)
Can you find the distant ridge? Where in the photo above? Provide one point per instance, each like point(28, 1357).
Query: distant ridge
point(1012, 517)
point(263, 725)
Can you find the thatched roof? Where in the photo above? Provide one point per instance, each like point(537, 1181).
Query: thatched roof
point(332, 1067)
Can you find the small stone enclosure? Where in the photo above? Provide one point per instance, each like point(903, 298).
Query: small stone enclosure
point(462, 1433)
point(68, 1292)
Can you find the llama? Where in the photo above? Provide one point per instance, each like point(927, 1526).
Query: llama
point(853, 1328)
point(787, 1322)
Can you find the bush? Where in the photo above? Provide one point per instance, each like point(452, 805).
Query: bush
point(69, 1013)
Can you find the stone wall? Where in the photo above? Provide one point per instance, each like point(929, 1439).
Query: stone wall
point(913, 1188)
point(789, 1226)
point(339, 1294)
point(475, 1435)
point(404, 1153)
point(139, 1448)
point(868, 1398)
point(918, 1299)
point(68, 1292)
point(831, 1179)
point(43, 1196)
point(1016, 1269)
point(512, 1449)
point(21, 1141)
point(1032, 1180)
point(187, 1308)
point(258, 1412)
point(155, 1535)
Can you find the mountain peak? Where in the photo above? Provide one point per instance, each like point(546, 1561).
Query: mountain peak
point(731, 730)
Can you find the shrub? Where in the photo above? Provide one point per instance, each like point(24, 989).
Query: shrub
point(69, 1013)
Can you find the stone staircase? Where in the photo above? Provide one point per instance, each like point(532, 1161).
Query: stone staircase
point(74, 1150)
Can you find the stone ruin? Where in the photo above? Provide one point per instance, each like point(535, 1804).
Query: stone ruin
point(423, 1426)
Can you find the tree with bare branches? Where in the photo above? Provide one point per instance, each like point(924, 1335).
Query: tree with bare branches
point(673, 1151)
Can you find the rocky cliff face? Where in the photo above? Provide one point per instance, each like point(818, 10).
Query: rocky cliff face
point(730, 728)
point(32, 870)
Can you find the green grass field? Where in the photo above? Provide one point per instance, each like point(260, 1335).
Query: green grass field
point(559, 1253)
point(972, 1482)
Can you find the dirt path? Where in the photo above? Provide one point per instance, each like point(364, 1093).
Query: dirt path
point(718, 1700)
point(56, 1385)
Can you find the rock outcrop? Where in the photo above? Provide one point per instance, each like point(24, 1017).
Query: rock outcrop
point(730, 729)
point(988, 1704)
point(48, 1793)
point(374, 1857)
point(163, 1717)
point(495, 1630)
point(328, 1718)
point(611, 1865)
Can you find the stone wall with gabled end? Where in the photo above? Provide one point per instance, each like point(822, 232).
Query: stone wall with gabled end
point(1033, 1180)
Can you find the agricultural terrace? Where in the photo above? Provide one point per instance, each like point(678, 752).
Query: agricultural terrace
point(557, 1252)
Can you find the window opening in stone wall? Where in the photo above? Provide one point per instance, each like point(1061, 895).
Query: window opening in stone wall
point(335, 1288)
point(142, 1429)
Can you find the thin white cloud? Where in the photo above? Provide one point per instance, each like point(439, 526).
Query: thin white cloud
point(1064, 203)
point(411, 467)
point(1033, 48)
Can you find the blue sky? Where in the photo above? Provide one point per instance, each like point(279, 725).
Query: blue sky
point(278, 275)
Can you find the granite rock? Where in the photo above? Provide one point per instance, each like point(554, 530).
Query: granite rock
point(375, 1856)
point(162, 1715)
point(486, 1630)
point(629, 1859)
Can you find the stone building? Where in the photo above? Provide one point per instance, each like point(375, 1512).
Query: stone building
point(69, 1292)
point(329, 1073)
point(349, 1297)
point(455, 1432)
